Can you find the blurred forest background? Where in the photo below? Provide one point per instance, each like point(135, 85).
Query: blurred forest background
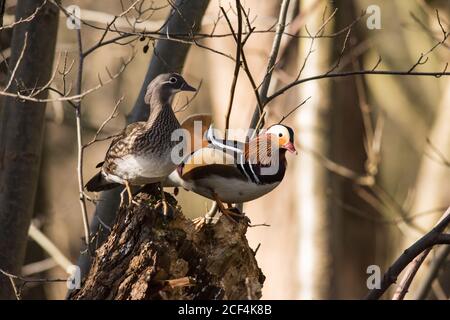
point(373, 171)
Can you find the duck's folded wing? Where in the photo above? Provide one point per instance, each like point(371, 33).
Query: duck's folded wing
point(120, 145)
point(210, 161)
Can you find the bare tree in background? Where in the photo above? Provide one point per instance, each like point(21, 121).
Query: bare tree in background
point(21, 132)
point(351, 135)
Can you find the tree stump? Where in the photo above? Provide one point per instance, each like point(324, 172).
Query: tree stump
point(148, 256)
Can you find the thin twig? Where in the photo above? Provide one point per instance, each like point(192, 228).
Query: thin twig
point(24, 20)
point(237, 66)
point(293, 110)
point(189, 100)
point(281, 24)
point(354, 73)
point(432, 273)
point(76, 97)
point(336, 65)
point(423, 58)
point(244, 64)
point(13, 73)
point(410, 273)
point(314, 37)
point(107, 120)
point(82, 198)
point(24, 281)
point(411, 270)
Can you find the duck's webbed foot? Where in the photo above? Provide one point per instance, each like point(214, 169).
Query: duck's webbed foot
point(167, 210)
point(129, 193)
point(232, 213)
point(209, 219)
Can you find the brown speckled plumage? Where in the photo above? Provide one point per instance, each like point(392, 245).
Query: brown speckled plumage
point(143, 137)
point(140, 154)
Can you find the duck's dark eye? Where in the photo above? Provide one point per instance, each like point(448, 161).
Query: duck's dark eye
point(280, 134)
point(173, 80)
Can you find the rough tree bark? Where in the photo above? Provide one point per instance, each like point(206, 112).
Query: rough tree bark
point(187, 18)
point(2, 11)
point(21, 134)
point(147, 256)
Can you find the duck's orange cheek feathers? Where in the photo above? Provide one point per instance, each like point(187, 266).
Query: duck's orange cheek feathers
point(282, 141)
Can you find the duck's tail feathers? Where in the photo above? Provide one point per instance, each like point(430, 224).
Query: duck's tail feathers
point(99, 183)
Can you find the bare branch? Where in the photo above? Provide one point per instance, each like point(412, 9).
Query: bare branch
point(336, 65)
point(314, 37)
point(19, 60)
point(189, 100)
point(353, 73)
point(82, 198)
point(422, 245)
point(432, 273)
point(281, 24)
point(293, 110)
point(76, 97)
point(24, 20)
point(237, 66)
point(107, 120)
point(24, 281)
point(423, 58)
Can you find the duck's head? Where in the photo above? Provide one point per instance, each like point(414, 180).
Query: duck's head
point(284, 136)
point(166, 85)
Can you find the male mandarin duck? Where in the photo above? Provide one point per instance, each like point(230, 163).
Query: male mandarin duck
point(141, 153)
point(231, 171)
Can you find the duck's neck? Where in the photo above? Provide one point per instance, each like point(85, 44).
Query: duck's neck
point(268, 161)
point(159, 101)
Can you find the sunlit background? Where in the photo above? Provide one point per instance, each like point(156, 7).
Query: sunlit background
point(372, 174)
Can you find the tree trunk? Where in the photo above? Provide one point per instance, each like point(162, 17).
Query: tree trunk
point(21, 134)
point(2, 11)
point(148, 257)
point(347, 134)
point(314, 258)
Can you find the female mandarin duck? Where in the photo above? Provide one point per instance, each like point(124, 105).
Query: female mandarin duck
point(141, 153)
point(233, 172)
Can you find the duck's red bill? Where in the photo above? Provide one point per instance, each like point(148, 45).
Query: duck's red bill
point(290, 147)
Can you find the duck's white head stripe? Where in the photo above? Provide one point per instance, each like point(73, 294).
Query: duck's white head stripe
point(209, 134)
